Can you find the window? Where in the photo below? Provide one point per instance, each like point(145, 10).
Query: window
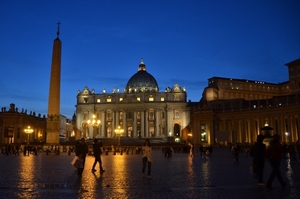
point(108, 115)
point(203, 133)
point(151, 115)
point(109, 132)
point(121, 99)
point(108, 99)
point(138, 99)
point(129, 115)
point(130, 129)
point(176, 114)
point(98, 100)
point(138, 115)
point(162, 99)
point(151, 99)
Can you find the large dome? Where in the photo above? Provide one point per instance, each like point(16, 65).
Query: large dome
point(142, 81)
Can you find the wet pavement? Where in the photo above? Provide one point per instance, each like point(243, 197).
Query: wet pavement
point(52, 176)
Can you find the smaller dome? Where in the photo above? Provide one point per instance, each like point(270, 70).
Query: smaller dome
point(142, 81)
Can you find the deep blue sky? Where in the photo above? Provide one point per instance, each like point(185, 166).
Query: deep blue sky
point(184, 42)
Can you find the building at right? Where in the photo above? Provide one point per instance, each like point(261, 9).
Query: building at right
point(237, 110)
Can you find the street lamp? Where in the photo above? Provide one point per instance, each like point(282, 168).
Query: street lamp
point(287, 134)
point(94, 123)
point(28, 130)
point(119, 131)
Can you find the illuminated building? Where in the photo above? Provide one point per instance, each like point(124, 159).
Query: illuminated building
point(235, 110)
point(141, 110)
point(13, 122)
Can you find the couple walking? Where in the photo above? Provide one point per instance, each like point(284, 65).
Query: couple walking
point(82, 150)
point(274, 153)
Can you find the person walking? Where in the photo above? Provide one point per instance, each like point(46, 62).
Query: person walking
point(147, 157)
point(274, 152)
point(81, 151)
point(192, 152)
point(235, 151)
point(25, 150)
point(17, 149)
point(258, 153)
point(97, 154)
point(201, 150)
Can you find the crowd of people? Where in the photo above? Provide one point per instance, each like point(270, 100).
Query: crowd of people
point(15, 149)
point(273, 153)
point(82, 151)
point(10, 149)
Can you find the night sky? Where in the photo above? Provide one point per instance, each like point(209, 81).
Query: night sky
point(182, 42)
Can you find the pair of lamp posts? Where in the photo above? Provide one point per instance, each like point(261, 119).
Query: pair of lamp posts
point(94, 122)
point(28, 131)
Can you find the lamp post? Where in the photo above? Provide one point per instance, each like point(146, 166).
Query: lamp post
point(94, 122)
point(119, 131)
point(28, 130)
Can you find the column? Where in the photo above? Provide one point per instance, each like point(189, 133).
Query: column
point(103, 123)
point(113, 125)
point(124, 127)
point(169, 123)
point(118, 117)
point(147, 124)
point(293, 129)
point(134, 125)
point(166, 128)
point(157, 119)
point(90, 128)
point(197, 132)
point(142, 123)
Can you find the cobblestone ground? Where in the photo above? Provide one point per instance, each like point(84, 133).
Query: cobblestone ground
point(52, 176)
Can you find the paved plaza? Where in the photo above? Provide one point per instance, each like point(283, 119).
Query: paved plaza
point(52, 176)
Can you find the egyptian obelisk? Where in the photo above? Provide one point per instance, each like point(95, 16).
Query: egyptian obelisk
point(53, 119)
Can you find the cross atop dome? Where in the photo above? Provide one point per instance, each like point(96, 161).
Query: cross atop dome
point(142, 61)
point(142, 65)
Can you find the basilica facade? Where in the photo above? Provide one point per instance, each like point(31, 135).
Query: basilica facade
point(141, 111)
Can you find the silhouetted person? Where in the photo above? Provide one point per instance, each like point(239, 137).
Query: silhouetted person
point(236, 151)
point(258, 153)
point(17, 149)
point(81, 150)
point(25, 150)
point(274, 152)
point(147, 157)
point(201, 150)
point(97, 154)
